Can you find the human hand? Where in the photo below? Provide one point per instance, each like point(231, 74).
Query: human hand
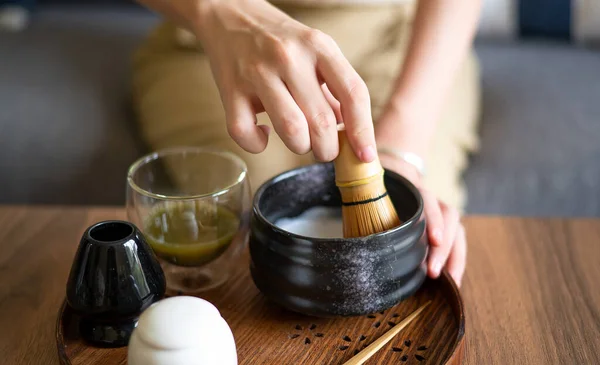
point(445, 232)
point(263, 60)
point(448, 245)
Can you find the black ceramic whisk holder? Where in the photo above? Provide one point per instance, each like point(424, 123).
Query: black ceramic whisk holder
point(334, 277)
point(114, 277)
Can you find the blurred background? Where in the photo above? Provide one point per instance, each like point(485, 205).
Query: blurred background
point(67, 134)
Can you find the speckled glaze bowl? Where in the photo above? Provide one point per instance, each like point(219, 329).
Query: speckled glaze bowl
point(334, 277)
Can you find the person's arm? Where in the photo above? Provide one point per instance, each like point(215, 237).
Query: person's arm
point(441, 37)
point(186, 13)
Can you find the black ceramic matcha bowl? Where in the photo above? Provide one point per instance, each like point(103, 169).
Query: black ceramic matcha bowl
point(334, 277)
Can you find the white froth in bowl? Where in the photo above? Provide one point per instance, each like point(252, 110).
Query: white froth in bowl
point(316, 222)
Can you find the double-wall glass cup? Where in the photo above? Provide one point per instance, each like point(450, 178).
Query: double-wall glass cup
point(192, 205)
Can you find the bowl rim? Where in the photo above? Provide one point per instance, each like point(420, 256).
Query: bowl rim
point(296, 171)
point(183, 150)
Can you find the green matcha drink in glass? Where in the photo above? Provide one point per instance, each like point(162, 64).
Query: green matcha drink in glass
point(193, 206)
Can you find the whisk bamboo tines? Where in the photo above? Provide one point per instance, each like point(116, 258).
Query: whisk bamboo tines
point(366, 206)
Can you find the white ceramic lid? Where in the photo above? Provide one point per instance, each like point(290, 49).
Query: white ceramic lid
point(178, 322)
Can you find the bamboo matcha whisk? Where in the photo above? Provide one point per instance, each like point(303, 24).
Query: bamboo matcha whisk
point(366, 206)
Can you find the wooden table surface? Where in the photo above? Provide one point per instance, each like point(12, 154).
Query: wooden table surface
point(532, 288)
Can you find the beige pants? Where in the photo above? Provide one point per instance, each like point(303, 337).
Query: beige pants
point(178, 102)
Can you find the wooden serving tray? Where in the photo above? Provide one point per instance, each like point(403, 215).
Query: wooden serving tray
point(268, 334)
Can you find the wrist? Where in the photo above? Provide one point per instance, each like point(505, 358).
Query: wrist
point(401, 167)
point(410, 158)
point(210, 14)
point(202, 17)
point(215, 20)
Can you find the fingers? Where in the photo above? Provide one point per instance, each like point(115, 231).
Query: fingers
point(321, 119)
point(333, 103)
point(435, 219)
point(458, 256)
point(439, 253)
point(241, 124)
point(283, 75)
point(287, 117)
point(351, 91)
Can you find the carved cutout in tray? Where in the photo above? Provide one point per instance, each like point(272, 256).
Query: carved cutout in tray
point(268, 334)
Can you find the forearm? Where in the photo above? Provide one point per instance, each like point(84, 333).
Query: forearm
point(441, 38)
point(199, 16)
point(182, 12)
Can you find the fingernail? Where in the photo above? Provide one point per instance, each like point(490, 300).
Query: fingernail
point(266, 129)
point(437, 235)
point(457, 279)
point(436, 267)
point(368, 154)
